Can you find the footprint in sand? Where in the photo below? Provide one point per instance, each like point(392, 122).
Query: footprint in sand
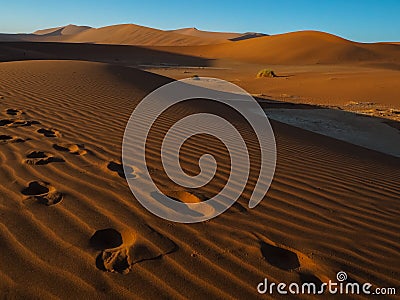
point(5, 139)
point(42, 192)
point(120, 250)
point(71, 148)
point(281, 258)
point(23, 123)
point(292, 260)
point(17, 123)
point(49, 132)
point(119, 169)
point(115, 255)
point(186, 198)
point(14, 112)
point(310, 278)
point(6, 122)
point(237, 207)
point(41, 158)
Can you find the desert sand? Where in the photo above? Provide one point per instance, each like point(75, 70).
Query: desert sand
point(71, 228)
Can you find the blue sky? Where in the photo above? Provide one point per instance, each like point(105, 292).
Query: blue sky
point(362, 20)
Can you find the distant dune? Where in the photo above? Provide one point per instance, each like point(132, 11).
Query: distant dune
point(63, 30)
point(56, 34)
point(129, 34)
point(302, 47)
point(295, 48)
point(206, 34)
point(220, 36)
point(124, 34)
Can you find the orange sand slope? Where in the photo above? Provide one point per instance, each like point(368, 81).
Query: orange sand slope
point(302, 47)
point(124, 34)
point(343, 85)
point(69, 224)
point(134, 35)
point(295, 48)
point(129, 34)
point(63, 30)
point(314, 67)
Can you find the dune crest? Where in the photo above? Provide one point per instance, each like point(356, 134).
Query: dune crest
point(62, 30)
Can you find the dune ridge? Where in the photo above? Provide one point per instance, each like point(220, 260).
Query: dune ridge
point(62, 30)
point(302, 47)
point(122, 34)
point(293, 48)
point(219, 36)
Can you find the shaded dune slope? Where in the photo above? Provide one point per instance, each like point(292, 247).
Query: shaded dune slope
point(116, 54)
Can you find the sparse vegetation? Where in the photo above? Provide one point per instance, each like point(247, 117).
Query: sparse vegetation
point(195, 77)
point(266, 73)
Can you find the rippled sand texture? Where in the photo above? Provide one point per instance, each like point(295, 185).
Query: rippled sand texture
point(71, 228)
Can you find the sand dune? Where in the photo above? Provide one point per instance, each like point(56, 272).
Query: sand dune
point(219, 36)
point(63, 30)
point(207, 34)
point(70, 226)
point(131, 34)
point(55, 34)
point(303, 47)
point(116, 54)
point(296, 48)
point(372, 80)
point(124, 34)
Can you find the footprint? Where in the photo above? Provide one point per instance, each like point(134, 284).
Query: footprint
point(187, 198)
point(6, 122)
point(310, 278)
point(237, 207)
point(42, 192)
point(20, 123)
point(120, 250)
point(292, 260)
point(14, 112)
point(106, 238)
point(17, 123)
point(281, 258)
point(41, 158)
point(119, 169)
point(71, 148)
point(49, 132)
point(115, 251)
point(4, 139)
